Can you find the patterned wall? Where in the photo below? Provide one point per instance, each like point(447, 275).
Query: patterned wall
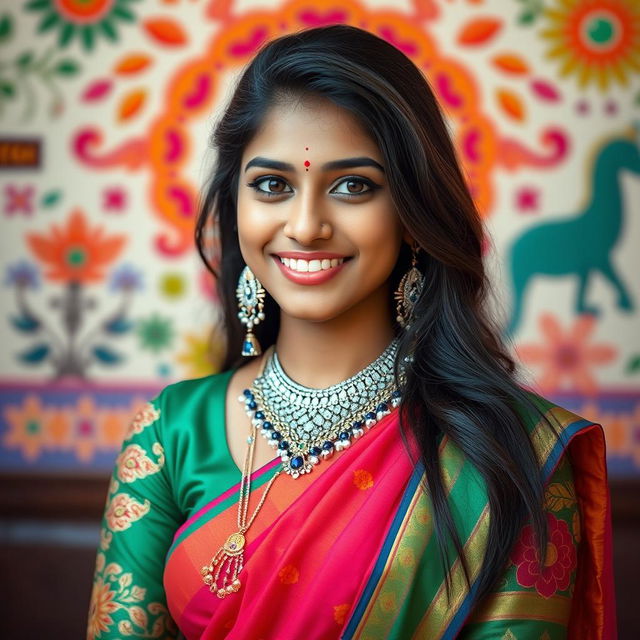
point(105, 111)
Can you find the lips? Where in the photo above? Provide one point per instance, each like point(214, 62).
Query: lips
point(310, 277)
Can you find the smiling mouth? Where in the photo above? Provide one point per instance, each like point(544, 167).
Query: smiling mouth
point(311, 266)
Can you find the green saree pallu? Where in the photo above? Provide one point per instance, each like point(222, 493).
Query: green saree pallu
point(348, 550)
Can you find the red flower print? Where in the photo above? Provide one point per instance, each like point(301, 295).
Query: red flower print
point(560, 558)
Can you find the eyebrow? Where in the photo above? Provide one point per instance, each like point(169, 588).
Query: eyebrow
point(346, 163)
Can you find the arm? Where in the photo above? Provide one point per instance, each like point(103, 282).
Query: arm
point(533, 603)
point(139, 522)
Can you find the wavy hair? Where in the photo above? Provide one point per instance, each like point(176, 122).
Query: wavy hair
point(461, 382)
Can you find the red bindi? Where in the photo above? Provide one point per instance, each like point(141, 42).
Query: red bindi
point(307, 164)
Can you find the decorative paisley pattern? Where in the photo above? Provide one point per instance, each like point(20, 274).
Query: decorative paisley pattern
point(145, 417)
point(133, 463)
point(123, 510)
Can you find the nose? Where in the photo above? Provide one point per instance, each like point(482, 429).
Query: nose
point(307, 220)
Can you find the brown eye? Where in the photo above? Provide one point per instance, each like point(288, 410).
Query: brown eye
point(354, 187)
point(276, 186)
point(270, 186)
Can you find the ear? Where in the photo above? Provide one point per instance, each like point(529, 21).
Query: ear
point(407, 237)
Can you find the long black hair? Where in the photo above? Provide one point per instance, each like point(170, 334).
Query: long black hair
point(461, 382)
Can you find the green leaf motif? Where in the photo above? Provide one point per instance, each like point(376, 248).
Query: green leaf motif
point(35, 355)
point(7, 89)
point(6, 27)
point(37, 5)
point(634, 364)
point(67, 67)
point(527, 18)
point(24, 59)
point(118, 325)
point(106, 355)
point(26, 323)
point(50, 198)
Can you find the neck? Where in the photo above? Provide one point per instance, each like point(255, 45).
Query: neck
point(321, 354)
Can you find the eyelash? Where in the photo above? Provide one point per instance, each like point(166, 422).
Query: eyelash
point(372, 186)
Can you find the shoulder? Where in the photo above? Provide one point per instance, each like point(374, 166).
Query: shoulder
point(188, 394)
point(554, 430)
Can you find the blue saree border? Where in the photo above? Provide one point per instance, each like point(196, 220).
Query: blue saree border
point(374, 578)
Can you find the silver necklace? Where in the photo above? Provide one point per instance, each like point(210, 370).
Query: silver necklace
point(306, 425)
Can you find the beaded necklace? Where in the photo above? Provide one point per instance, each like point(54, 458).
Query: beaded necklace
point(302, 441)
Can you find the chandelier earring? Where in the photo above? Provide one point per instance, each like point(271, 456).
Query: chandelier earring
point(409, 290)
point(250, 294)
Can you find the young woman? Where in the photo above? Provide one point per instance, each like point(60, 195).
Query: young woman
point(383, 475)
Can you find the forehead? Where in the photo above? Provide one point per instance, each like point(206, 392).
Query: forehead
point(311, 127)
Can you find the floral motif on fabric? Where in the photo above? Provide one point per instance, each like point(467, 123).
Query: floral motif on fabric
point(116, 600)
point(124, 510)
point(362, 479)
point(133, 463)
point(289, 574)
point(105, 539)
point(145, 416)
point(554, 574)
point(340, 613)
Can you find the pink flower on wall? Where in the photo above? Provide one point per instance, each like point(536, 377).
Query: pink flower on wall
point(560, 559)
point(567, 356)
point(114, 200)
point(527, 200)
point(18, 200)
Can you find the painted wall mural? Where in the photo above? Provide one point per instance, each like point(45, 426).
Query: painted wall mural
point(105, 111)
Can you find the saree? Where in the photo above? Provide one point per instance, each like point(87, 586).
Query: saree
point(349, 550)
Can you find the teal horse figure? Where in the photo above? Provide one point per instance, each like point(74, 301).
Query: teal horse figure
point(583, 244)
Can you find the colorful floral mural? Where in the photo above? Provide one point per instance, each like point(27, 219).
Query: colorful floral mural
point(104, 299)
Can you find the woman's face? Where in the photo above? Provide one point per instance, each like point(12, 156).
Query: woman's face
point(316, 223)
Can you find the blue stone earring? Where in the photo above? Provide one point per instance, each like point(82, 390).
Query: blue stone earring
point(409, 290)
point(250, 295)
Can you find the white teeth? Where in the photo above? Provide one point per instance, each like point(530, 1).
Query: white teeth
point(305, 266)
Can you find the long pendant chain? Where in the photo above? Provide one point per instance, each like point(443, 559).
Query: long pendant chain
point(221, 574)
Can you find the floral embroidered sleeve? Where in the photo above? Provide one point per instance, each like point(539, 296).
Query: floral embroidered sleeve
point(139, 522)
point(533, 600)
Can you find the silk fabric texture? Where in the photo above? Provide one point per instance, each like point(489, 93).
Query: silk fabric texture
point(348, 551)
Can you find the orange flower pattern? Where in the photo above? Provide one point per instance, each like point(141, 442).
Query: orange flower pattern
point(289, 574)
point(133, 463)
point(362, 479)
point(124, 510)
point(76, 252)
point(114, 593)
point(340, 613)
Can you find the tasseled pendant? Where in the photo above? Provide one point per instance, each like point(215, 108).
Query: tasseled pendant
point(227, 564)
